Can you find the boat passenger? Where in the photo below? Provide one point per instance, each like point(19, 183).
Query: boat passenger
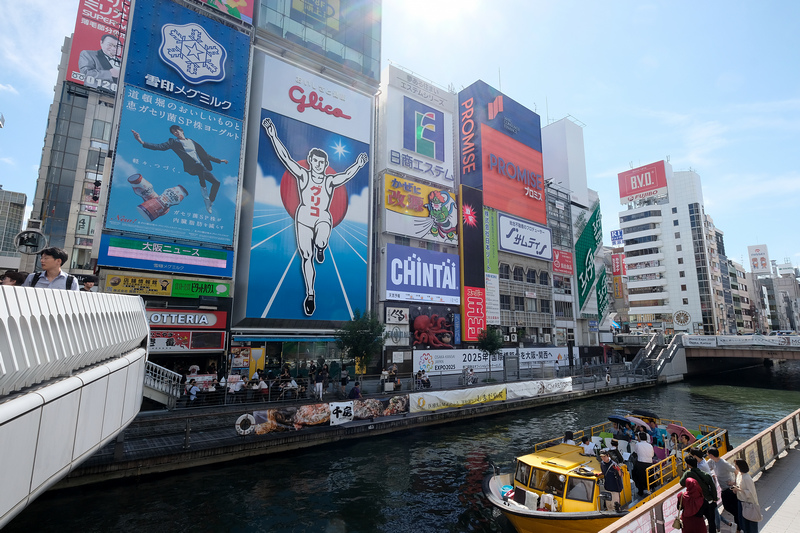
point(672, 445)
point(614, 452)
point(644, 459)
point(612, 475)
point(569, 438)
point(589, 447)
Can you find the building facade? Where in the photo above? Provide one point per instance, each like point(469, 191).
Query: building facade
point(12, 213)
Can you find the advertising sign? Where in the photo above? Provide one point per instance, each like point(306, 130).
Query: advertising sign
point(759, 259)
point(238, 9)
point(562, 262)
point(459, 361)
point(492, 284)
point(616, 237)
point(183, 55)
point(143, 254)
point(618, 287)
point(432, 326)
point(186, 341)
point(310, 227)
point(322, 15)
point(500, 147)
point(602, 294)
point(131, 283)
point(523, 238)
point(419, 211)
point(618, 267)
point(397, 315)
point(184, 318)
point(96, 54)
point(416, 274)
point(491, 264)
point(585, 247)
point(643, 182)
point(397, 335)
point(419, 128)
point(157, 187)
point(473, 292)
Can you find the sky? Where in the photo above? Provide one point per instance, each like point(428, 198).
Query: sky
point(714, 86)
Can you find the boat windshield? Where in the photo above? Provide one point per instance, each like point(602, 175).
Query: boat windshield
point(547, 481)
point(523, 473)
point(580, 489)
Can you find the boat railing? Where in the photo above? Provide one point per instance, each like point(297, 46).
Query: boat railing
point(662, 473)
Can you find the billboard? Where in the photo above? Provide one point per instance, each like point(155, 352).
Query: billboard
point(418, 125)
point(96, 51)
point(120, 282)
point(238, 9)
point(523, 238)
point(184, 318)
point(500, 147)
point(590, 239)
point(419, 211)
point(310, 228)
point(643, 182)
point(616, 237)
point(473, 290)
point(602, 295)
point(158, 187)
point(491, 265)
point(618, 267)
point(432, 326)
point(183, 55)
point(562, 262)
point(759, 259)
point(124, 252)
point(417, 274)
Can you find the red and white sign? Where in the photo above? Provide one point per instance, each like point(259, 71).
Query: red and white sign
point(182, 318)
point(618, 265)
point(185, 341)
point(643, 182)
point(562, 262)
point(474, 313)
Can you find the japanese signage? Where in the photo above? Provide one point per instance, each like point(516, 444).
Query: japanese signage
point(186, 56)
point(523, 238)
point(308, 240)
point(501, 152)
point(416, 274)
point(616, 237)
point(142, 254)
point(491, 264)
point(602, 294)
point(492, 285)
point(759, 259)
point(643, 182)
point(618, 265)
point(473, 291)
point(418, 128)
point(433, 326)
point(238, 9)
point(397, 315)
point(585, 247)
point(420, 211)
point(158, 188)
point(618, 288)
point(562, 262)
point(130, 283)
point(458, 361)
point(183, 318)
point(96, 50)
point(186, 341)
point(397, 335)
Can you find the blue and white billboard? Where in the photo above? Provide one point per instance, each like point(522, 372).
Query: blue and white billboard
point(521, 237)
point(616, 237)
point(420, 275)
point(310, 227)
point(179, 53)
point(148, 254)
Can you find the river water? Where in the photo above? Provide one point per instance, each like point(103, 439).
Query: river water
point(424, 480)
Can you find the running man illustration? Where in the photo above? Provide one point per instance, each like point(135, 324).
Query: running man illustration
point(312, 219)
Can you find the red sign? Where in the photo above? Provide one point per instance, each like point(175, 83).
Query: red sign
point(562, 262)
point(474, 313)
point(512, 176)
point(643, 182)
point(618, 265)
point(182, 318)
point(96, 53)
point(186, 341)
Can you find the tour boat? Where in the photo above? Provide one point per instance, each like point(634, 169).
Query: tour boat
point(558, 489)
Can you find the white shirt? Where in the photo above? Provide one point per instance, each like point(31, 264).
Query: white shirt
point(644, 452)
point(589, 448)
point(188, 146)
point(726, 472)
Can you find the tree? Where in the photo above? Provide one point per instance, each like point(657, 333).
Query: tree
point(490, 340)
point(362, 337)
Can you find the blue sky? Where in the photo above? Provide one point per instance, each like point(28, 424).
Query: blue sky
point(713, 85)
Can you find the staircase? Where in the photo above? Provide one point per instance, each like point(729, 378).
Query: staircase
point(162, 385)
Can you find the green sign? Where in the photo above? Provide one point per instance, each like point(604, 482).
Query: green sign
point(585, 248)
point(602, 295)
point(491, 257)
point(185, 288)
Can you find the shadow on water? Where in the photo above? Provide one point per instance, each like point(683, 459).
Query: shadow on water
point(419, 480)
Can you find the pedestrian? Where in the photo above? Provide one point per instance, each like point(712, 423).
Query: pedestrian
point(690, 505)
point(326, 382)
point(14, 278)
point(344, 378)
point(612, 475)
point(644, 459)
point(319, 379)
point(89, 283)
point(192, 391)
point(726, 477)
point(355, 392)
point(745, 490)
point(52, 277)
point(708, 487)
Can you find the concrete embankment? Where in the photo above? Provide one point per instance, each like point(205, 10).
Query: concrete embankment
point(158, 442)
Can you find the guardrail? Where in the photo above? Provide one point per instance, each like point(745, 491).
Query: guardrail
point(46, 333)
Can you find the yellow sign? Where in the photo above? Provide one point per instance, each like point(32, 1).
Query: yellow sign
point(138, 285)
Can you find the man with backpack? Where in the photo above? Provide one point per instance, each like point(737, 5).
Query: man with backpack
point(51, 276)
point(612, 475)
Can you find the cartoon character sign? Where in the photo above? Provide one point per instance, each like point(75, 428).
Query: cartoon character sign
point(432, 326)
point(443, 213)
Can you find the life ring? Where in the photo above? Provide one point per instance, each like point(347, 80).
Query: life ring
point(249, 427)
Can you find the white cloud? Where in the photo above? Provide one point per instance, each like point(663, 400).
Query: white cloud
point(267, 189)
point(358, 209)
point(8, 161)
point(8, 88)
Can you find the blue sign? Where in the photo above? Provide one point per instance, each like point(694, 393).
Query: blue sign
point(616, 236)
point(178, 53)
point(423, 129)
point(164, 256)
point(417, 274)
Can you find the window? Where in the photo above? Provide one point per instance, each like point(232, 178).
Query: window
point(683, 287)
point(402, 241)
point(674, 222)
point(519, 274)
point(580, 489)
point(562, 285)
point(544, 278)
point(686, 301)
point(544, 306)
point(519, 303)
point(678, 248)
point(433, 246)
point(680, 260)
point(504, 271)
point(677, 234)
point(531, 276)
point(563, 309)
point(505, 302)
point(674, 210)
point(530, 305)
point(682, 274)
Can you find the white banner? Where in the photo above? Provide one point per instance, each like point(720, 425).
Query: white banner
point(735, 340)
point(458, 361)
point(341, 412)
point(529, 357)
point(492, 298)
point(519, 236)
point(700, 341)
point(432, 401)
point(529, 389)
point(397, 335)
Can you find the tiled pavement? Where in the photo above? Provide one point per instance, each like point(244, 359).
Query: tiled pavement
point(779, 495)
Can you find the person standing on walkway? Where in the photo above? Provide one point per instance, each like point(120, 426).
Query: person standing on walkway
point(726, 477)
point(52, 276)
point(691, 503)
point(708, 487)
point(319, 379)
point(745, 490)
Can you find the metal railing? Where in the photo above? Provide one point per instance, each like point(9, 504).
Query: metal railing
point(165, 381)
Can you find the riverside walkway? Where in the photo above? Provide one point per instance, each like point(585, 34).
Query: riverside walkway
point(779, 494)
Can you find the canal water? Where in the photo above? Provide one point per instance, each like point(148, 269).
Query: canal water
point(425, 480)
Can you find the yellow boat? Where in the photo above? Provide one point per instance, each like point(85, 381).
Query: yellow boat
point(556, 489)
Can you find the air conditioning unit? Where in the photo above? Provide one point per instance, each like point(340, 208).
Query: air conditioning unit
point(546, 337)
point(512, 329)
point(506, 338)
point(513, 337)
point(34, 223)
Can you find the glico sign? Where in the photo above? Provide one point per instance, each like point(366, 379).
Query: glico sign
point(500, 145)
point(643, 182)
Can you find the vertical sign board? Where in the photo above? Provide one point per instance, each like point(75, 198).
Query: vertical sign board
point(96, 54)
point(419, 128)
point(618, 267)
point(500, 147)
point(562, 262)
point(473, 280)
point(491, 264)
point(602, 295)
point(616, 237)
point(643, 182)
point(309, 237)
point(759, 259)
point(585, 247)
point(420, 211)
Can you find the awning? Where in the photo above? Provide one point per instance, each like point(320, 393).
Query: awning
point(267, 338)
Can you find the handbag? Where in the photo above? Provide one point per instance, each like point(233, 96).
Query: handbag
point(751, 512)
point(677, 523)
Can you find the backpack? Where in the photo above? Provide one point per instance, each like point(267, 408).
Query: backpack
point(38, 275)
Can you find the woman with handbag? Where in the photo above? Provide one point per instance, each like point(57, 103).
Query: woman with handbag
point(745, 489)
point(691, 502)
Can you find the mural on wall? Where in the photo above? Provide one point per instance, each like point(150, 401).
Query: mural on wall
point(432, 326)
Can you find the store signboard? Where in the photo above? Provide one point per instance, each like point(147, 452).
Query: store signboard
point(520, 237)
point(133, 283)
point(618, 267)
point(416, 274)
point(183, 341)
point(643, 182)
point(590, 239)
point(562, 262)
point(418, 211)
point(123, 252)
point(186, 318)
point(397, 315)
point(473, 290)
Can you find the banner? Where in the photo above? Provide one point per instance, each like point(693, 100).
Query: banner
point(142, 254)
point(419, 211)
point(699, 341)
point(184, 318)
point(530, 389)
point(591, 238)
point(524, 238)
point(601, 289)
point(433, 401)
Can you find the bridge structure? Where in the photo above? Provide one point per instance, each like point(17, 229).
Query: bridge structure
point(72, 368)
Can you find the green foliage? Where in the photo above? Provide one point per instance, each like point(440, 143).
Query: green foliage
point(490, 340)
point(362, 337)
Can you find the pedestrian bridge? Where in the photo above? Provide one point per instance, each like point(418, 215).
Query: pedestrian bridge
point(71, 376)
point(742, 346)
